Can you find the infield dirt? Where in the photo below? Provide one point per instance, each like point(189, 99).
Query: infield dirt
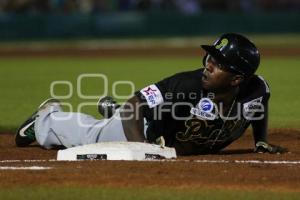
point(184, 172)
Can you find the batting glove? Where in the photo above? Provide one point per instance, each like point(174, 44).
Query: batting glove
point(263, 147)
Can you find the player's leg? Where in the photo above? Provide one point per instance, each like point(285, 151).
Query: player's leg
point(113, 129)
point(50, 126)
point(55, 127)
point(26, 134)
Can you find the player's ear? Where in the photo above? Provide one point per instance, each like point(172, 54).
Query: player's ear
point(237, 79)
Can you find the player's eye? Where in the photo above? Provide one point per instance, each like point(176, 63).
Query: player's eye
point(213, 61)
point(210, 59)
point(221, 67)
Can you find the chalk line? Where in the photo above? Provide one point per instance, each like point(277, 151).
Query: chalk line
point(26, 161)
point(283, 162)
point(24, 168)
point(272, 162)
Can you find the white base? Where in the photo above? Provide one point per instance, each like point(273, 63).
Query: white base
point(117, 151)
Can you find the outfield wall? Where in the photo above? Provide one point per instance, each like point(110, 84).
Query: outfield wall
point(144, 25)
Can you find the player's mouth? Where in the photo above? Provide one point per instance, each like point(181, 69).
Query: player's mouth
point(205, 81)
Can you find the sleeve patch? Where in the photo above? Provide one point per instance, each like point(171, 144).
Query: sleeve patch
point(253, 105)
point(153, 95)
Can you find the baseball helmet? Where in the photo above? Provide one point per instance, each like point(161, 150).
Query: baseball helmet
point(235, 53)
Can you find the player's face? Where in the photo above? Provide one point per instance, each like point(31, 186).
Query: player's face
point(215, 78)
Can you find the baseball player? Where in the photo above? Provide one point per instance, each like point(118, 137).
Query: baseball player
point(196, 112)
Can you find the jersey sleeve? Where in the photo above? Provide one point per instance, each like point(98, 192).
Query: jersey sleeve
point(157, 95)
point(160, 93)
point(259, 122)
point(265, 96)
point(257, 98)
point(153, 99)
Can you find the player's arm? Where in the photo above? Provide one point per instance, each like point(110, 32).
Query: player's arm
point(132, 120)
point(260, 128)
point(143, 105)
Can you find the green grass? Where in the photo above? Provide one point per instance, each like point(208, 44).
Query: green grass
point(25, 82)
point(273, 40)
point(283, 78)
point(90, 193)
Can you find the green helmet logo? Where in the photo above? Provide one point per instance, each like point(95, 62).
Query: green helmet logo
point(222, 43)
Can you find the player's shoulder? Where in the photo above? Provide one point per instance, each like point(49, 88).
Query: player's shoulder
point(258, 82)
point(189, 78)
point(255, 87)
point(189, 75)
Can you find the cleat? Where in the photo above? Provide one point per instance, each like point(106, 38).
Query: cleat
point(25, 134)
point(48, 102)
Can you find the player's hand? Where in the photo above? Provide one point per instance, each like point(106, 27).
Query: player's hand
point(263, 147)
point(161, 141)
point(107, 106)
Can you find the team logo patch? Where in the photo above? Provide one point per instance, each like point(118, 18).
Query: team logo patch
point(204, 109)
point(152, 95)
point(206, 105)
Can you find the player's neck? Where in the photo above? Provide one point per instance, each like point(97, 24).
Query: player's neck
point(226, 96)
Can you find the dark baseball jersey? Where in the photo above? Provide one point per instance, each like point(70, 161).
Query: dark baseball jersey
point(185, 114)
